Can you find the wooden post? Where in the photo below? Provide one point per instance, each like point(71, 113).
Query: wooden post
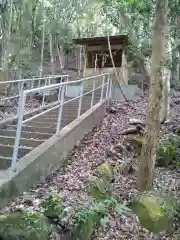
point(124, 68)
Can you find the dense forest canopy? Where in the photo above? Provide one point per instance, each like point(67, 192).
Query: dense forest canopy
point(33, 30)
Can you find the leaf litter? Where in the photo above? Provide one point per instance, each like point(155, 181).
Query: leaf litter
point(72, 179)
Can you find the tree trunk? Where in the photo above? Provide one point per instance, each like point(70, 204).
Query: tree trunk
point(148, 152)
point(61, 56)
point(51, 54)
point(164, 113)
point(43, 38)
point(6, 44)
point(124, 68)
point(178, 71)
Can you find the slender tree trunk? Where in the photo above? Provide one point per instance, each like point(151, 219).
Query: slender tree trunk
point(43, 38)
point(6, 45)
point(178, 69)
point(174, 67)
point(164, 113)
point(148, 152)
point(61, 57)
point(51, 54)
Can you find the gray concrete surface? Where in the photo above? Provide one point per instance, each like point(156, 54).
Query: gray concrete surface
point(131, 92)
point(49, 156)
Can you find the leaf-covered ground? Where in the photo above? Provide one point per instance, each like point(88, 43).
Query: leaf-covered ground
point(72, 180)
point(10, 109)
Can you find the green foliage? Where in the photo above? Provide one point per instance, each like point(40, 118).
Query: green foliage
point(165, 154)
point(168, 151)
point(52, 205)
point(26, 226)
point(110, 207)
point(90, 217)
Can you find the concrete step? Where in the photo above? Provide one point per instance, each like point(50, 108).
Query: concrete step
point(5, 162)
point(48, 123)
point(47, 120)
point(7, 151)
point(29, 135)
point(37, 128)
point(41, 123)
point(5, 140)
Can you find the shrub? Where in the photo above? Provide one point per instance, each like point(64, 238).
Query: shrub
point(168, 151)
point(26, 226)
point(52, 205)
point(89, 218)
point(165, 154)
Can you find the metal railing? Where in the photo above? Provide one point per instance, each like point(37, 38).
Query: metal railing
point(11, 90)
point(103, 79)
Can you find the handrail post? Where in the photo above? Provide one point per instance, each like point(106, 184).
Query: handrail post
point(94, 85)
point(110, 90)
point(107, 88)
point(21, 87)
point(59, 93)
point(39, 82)
point(60, 87)
point(80, 100)
point(102, 88)
point(60, 110)
point(44, 93)
point(22, 100)
point(32, 84)
point(67, 79)
point(20, 93)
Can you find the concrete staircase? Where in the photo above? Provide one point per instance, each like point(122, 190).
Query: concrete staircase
point(38, 130)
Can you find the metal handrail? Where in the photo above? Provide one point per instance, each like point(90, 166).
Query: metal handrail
point(21, 83)
point(106, 81)
point(32, 79)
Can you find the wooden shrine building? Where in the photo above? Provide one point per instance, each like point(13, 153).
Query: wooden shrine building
point(93, 57)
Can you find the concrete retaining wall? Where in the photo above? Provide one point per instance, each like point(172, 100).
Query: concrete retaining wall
point(131, 91)
point(49, 156)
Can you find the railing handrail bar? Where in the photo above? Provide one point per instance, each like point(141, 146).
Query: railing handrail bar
point(58, 104)
point(54, 86)
point(62, 87)
point(32, 79)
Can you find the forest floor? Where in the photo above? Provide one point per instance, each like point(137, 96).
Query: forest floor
point(11, 107)
point(72, 180)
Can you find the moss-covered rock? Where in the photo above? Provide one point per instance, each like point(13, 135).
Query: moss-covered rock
point(136, 143)
point(52, 205)
point(154, 212)
point(100, 189)
point(24, 226)
point(105, 171)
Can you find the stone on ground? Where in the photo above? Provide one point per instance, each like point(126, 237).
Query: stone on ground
point(154, 212)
